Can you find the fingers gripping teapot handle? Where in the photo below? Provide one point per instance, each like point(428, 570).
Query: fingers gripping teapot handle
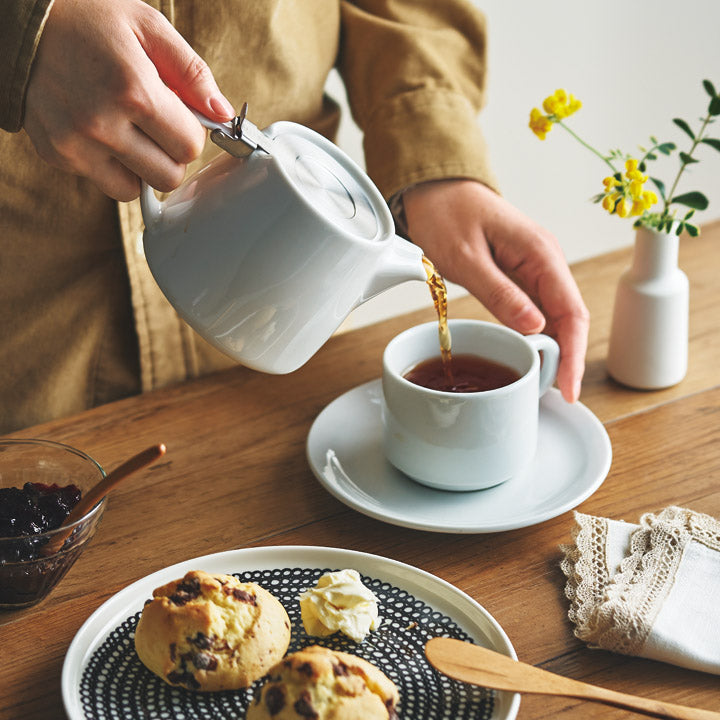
point(152, 208)
point(238, 137)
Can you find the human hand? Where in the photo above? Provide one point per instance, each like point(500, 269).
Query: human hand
point(107, 93)
point(513, 266)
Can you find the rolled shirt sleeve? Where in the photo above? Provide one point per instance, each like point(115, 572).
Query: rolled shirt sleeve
point(415, 77)
point(22, 24)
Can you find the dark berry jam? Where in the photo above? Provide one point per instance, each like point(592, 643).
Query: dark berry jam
point(31, 511)
point(26, 513)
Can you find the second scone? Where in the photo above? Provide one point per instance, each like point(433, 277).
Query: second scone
point(325, 684)
point(211, 632)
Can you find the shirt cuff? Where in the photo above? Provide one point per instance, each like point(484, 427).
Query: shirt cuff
point(429, 134)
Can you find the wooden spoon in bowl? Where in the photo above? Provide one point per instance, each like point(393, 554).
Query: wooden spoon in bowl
point(488, 668)
point(99, 491)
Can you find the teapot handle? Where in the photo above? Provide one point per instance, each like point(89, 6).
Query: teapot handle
point(238, 137)
point(151, 207)
point(226, 127)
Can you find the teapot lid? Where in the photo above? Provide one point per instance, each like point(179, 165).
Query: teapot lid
point(332, 183)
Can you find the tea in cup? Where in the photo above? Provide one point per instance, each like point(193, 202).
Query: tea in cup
point(477, 428)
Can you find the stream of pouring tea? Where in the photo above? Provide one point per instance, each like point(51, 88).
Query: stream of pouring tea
point(438, 291)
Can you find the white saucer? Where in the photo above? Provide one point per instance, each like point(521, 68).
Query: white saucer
point(344, 448)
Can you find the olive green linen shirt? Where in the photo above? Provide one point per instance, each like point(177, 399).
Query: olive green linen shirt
point(82, 321)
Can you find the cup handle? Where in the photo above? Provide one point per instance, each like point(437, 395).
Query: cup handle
point(550, 357)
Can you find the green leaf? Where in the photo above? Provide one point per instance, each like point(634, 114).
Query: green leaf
point(692, 230)
point(667, 148)
point(651, 157)
point(709, 88)
point(689, 214)
point(597, 198)
point(693, 199)
point(712, 142)
point(684, 127)
point(653, 140)
point(714, 107)
point(679, 229)
point(687, 159)
point(660, 185)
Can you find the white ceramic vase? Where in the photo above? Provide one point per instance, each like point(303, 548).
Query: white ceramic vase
point(649, 335)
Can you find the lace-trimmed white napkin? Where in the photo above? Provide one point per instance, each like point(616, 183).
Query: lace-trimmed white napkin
point(651, 590)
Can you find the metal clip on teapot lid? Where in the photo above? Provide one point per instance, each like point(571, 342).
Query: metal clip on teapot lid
point(240, 138)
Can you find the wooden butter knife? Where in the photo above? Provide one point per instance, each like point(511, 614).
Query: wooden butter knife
point(488, 668)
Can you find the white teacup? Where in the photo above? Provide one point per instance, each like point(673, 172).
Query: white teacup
point(465, 441)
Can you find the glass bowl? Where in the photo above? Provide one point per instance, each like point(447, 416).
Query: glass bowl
point(28, 569)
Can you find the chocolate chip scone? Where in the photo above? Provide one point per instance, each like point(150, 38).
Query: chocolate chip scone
point(324, 684)
point(211, 632)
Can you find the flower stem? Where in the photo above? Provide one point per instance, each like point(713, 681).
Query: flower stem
point(696, 142)
point(587, 145)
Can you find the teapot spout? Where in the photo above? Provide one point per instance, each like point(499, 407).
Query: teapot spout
point(402, 261)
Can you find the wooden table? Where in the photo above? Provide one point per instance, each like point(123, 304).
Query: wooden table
point(236, 476)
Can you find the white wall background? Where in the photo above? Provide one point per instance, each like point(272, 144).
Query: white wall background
point(635, 64)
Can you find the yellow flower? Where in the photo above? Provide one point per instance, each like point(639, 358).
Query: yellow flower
point(636, 175)
point(608, 203)
point(649, 198)
point(539, 123)
point(627, 196)
point(635, 188)
point(635, 179)
point(611, 182)
point(553, 102)
point(644, 202)
point(558, 106)
point(561, 105)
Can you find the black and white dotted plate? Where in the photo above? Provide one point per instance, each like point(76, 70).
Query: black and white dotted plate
point(103, 679)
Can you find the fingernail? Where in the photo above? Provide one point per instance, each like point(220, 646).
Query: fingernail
point(222, 106)
point(576, 390)
point(530, 319)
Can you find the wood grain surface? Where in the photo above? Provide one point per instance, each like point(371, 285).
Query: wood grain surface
point(235, 475)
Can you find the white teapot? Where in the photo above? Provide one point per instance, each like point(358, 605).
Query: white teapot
point(268, 248)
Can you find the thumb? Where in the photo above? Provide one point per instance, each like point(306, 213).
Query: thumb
point(185, 72)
